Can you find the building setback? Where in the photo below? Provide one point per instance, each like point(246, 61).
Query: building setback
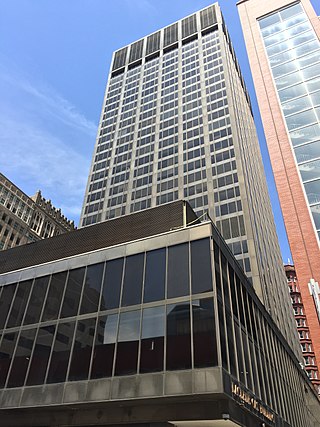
point(177, 123)
point(282, 39)
point(25, 219)
point(142, 320)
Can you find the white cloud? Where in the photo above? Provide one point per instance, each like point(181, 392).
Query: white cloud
point(54, 103)
point(44, 142)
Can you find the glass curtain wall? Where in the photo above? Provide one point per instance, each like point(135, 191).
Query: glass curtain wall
point(293, 50)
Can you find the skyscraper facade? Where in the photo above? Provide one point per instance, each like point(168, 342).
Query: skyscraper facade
point(177, 123)
point(25, 219)
point(282, 39)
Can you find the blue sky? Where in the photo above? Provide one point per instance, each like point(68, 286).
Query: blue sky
point(54, 62)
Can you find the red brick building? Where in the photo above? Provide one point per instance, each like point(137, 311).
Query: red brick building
point(302, 326)
point(282, 39)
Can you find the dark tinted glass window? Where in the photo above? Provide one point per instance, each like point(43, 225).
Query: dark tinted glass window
point(155, 275)
point(102, 362)
point(231, 345)
point(36, 300)
point(233, 291)
point(152, 339)
point(6, 352)
point(92, 287)
point(204, 333)
point(178, 271)
point(61, 352)
point(73, 293)
point(21, 359)
point(53, 303)
point(246, 310)
point(240, 303)
point(178, 336)
point(223, 338)
point(41, 354)
point(19, 304)
point(201, 280)
point(224, 269)
point(237, 332)
point(128, 343)
point(247, 360)
point(132, 283)
point(217, 269)
point(81, 355)
point(112, 284)
point(251, 311)
point(5, 303)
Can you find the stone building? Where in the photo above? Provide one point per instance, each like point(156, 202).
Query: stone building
point(25, 219)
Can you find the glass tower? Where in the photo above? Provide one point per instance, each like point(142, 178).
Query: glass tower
point(293, 51)
point(176, 124)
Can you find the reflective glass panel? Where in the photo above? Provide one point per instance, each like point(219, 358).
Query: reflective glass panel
point(307, 134)
point(307, 152)
point(106, 336)
point(291, 11)
point(296, 105)
point(54, 297)
point(21, 358)
point(73, 292)
point(128, 343)
point(60, 353)
point(288, 80)
point(303, 50)
point(155, 275)
point(231, 345)
point(301, 119)
point(315, 210)
point(152, 340)
point(223, 336)
point(5, 302)
point(313, 85)
point(292, 92)
point(178, 337)
point(310, 170)
point(132, 283)
point(278, 69)
point(19, 304)
point(91, 289)
point(311, 72)
point(82, 349)
point(313, 191)
point(40, 357)
point(178, 278)
point(269, 20)
point(316, 98)
point(112, 284)
point(204, 333)
point(39, 290)
point(306, 60)
point(233, 291)
point(294, 20)
point(201, 279)
point(217, 269)
point(6, 352)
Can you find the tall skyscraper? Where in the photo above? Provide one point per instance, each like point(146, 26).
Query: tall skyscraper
point(177, 123)
point(282, 39)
